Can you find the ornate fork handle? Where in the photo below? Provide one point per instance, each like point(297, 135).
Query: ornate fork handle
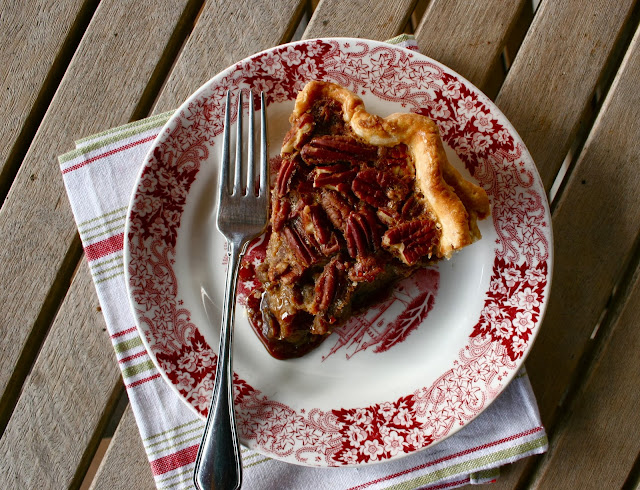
point(243, 211)
point(220, 449)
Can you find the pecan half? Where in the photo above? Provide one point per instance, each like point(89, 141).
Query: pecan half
point(372, 226)
point(304, 252)
point(316, 224)
point(327, 285)
point(336, 207)
point(287, 168)
point(280, 213)
point(328, 149)
point(378, 188)
point(388, 216)
point(361, 233)
point(412, 208)
point(412, 240)
point(336, 177)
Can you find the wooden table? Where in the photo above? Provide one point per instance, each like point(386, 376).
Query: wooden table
point(566, 75)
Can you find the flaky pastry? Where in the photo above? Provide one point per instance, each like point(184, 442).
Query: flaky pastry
point(359, 202)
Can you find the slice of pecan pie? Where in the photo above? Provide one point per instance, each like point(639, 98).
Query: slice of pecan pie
point(359, 202)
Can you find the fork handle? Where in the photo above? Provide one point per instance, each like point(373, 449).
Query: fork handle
point(219, 464)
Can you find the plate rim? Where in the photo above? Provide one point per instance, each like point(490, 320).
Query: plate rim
point(163, 135)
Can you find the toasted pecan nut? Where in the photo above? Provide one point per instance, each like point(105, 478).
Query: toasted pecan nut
point(412, 208)
point(304, 252)
point(329, 149)
point(337, 208)
point(336, 177)
point(378, 188)
point(412, 240)
point(280, 213)
point(356, 236)
point(285, 173)
point(327, 285)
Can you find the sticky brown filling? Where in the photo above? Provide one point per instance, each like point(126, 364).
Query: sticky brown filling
point(346, 221)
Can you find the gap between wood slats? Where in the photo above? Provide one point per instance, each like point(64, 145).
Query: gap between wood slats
point(114, 409)
point(620, 291)
point(172, 53)
point(74, 255)
point(309, 7)
point(587, 364)
point(39, 331)
point(591, 111)
point(633, 480)
point(416, 16)
point(42, 101)
point(111, 418)
point(111, 421)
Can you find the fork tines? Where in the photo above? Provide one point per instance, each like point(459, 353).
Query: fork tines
point(260, 188)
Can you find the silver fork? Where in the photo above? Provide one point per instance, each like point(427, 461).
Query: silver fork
point(242, 215)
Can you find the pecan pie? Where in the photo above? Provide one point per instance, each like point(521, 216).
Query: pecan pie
point(359, 202)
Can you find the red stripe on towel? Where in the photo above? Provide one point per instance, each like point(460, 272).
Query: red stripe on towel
point(104, 247)
point(173, 461)
point(108, 153)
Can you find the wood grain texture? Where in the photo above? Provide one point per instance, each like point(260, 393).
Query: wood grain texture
point(74, 381)
point(125, 452)
point(469, 36)
point(101, 88)
point(595, 226)
point(239, 30)
point(192, 69)
point(555, 73)
point(370, 19)
point(599, 442)
point(32, 36)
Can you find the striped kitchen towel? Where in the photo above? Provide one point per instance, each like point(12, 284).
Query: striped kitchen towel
point(99, 176)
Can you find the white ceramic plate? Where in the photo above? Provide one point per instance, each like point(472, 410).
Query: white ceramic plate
point(409, 372)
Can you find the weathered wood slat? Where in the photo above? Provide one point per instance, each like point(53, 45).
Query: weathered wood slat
point(597, 222)
point(125, 452)
point(33, 38)
point(545, 27)
point(599, 443)
point(191, 70)
point(370, 19)
point(39, 248)
point(240, 31)
point(469, 36)
point(74, 381)
point(595, 226)
point(555, 73)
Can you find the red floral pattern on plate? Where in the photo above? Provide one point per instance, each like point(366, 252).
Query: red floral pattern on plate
point(387, 323)
point(514, 302)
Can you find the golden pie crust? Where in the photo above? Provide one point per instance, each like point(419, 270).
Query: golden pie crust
point(359, 202)
point(456, 202)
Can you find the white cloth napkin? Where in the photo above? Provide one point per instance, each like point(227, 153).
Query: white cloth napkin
point(99, 177)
